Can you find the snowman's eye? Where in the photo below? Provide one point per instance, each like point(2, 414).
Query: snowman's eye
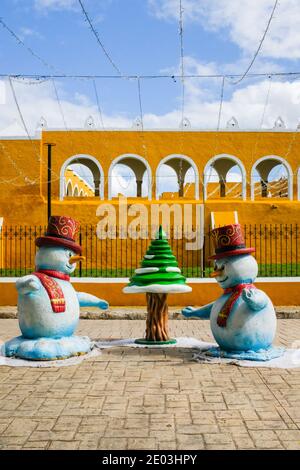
point(70, 254)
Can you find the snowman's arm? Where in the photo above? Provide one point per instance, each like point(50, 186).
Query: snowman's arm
point(89, 300)
point(27, 285)
point(255, 299)
point(202, 312)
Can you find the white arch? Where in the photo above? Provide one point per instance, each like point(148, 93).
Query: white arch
point(69, 182)
point(187, 159)
point(134, 156)
point(74, 189)
point(280, 161)
point(229, 157)
point(68, 162)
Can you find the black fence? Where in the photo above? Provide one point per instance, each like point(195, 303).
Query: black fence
point(277, 251)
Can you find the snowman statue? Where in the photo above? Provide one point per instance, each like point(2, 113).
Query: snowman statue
point(48, 305)
point(242, 319)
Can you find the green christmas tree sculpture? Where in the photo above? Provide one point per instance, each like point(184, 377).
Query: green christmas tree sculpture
point(158, 276)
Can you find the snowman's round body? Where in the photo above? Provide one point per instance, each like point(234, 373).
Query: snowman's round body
point(36, 317)
point(251, 323)
point(246, 329)
point(48, 334)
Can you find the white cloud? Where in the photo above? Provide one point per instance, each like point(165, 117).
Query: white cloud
point(243, 21)
point(247, 103)
point(55, 4)
point(25, 32)
point(39, 100)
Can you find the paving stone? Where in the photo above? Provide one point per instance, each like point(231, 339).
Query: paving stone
point(149, 399)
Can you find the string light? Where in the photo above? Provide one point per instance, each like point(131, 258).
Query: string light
point(89, 21)
point(29, 49)
point(149, 77)
point(259, 46)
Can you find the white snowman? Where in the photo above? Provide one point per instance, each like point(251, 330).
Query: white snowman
point(242, 319)
point(48, 305)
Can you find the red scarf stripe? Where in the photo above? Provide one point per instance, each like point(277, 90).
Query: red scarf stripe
point(52, 287)
point(53, 273)
point(235, 292)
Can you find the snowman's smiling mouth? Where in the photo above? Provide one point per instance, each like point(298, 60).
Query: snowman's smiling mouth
point(223, 280)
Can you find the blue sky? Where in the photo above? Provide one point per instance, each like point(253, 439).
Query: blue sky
point(142, 37)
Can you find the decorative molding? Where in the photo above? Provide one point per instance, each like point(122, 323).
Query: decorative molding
point(232, 123)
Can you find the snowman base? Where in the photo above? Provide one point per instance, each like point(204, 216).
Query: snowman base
point(48, 349)
point(260, 355)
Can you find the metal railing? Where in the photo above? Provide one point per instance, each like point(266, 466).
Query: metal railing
point(277, 251)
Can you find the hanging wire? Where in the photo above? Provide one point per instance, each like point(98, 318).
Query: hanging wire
point(27, 81)
point(59, 104)
point(181, 60)
point(258, 138)
point(150, 77)
point(38, 157)
point(95, 32)
point(140, 102)
point(221, 103)
point(29, 49)
point(18, 108)
point(98, 103)
point(259, 46)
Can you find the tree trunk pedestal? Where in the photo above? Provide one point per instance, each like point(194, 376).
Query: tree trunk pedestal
point(157, 321)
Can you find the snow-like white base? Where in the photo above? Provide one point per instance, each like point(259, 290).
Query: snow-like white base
point(158, 289)
point(289, 360)
point(72, 361)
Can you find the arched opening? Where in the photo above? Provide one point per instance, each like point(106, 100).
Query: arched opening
point(76, 192)
point(177, 176)
point(85, 172)
point(129, 176)
point(271, 177)
point(69, 189)
point(224, 177)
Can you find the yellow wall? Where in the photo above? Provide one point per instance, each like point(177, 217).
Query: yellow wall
point(283, 293)
point(24, 203)
point(75, 181)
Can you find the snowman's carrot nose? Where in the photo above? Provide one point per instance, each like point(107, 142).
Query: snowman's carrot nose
point(76, 258)
point(216, 273)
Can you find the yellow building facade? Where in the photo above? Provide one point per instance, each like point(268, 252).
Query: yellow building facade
point(254, 155)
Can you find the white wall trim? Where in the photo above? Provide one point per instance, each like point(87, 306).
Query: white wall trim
point(229, 157)
point(283, 162)
point(183, 157)
point(134, 156)
point(69, 162)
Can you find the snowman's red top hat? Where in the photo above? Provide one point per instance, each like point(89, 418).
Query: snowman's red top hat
point(229, 241)
point(61, 231)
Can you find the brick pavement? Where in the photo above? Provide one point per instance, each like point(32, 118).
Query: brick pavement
point(149, 399)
